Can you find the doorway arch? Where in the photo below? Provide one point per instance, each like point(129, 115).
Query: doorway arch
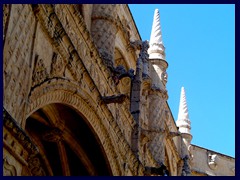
point(67, 144)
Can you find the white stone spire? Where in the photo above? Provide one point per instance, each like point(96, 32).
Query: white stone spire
point(183, 109)
point(156, 48)
point(183, 121)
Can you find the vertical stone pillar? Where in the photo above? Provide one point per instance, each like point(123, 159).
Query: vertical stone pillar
point(136, 91)
point(156, 125)
point(184, 125)
point(103, 30)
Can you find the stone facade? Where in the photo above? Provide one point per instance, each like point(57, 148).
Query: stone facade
point(82, 96)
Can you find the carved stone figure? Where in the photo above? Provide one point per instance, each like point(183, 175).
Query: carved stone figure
point(213, 160)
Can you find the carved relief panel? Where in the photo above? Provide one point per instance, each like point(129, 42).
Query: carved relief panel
point(17, 56)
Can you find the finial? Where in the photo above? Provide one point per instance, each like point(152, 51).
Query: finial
point(156, 49)
point(183, 121)
point(183, 109)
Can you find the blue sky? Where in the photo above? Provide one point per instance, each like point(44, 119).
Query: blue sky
point(200, 51)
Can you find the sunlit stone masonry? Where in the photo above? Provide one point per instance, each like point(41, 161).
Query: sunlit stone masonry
point(84, 95)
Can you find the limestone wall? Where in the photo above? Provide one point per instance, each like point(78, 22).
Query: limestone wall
point(50, 57)
point(84, 56)
point(211, 163)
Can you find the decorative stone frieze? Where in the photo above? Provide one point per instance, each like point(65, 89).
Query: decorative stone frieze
point(14, 139)
point(18, 133)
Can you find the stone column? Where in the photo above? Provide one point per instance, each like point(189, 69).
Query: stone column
point(103, 30)
point(156, 125)
point(136, 93)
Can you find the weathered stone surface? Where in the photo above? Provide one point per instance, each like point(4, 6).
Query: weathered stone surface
point(83, 97)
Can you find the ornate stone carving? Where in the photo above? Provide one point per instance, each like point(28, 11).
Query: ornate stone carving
point(57, 65)
point(120, 72)
point(143, 47)
point(164, 77)
point(134, 45)
point(6, 15)
point(8, 169)
point(213, 160)
point(156, 49)
point(99, 117)
point(125, 29)
point(39, 73)
point(107, 58)
point(35, 166)
point(32, 160)
point(114, 99)
point(173, 134)
point(104, 31)
point(186, 170)
point(145, 58)
point(11, 124)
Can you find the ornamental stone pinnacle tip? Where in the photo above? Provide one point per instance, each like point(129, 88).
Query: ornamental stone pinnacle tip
point(183, 109)
point(156, 49)
point(183, 121)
